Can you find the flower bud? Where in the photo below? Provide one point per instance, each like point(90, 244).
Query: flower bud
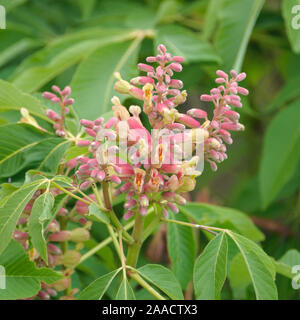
point(122, 86)
point(61, 284)
point(60, 236)
point(71, 258)
point(80, 235)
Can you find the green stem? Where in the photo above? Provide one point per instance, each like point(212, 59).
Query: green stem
point(113, 217)
point(70, 193)
point(134, 275)
point(137, 234)
point(198, 226)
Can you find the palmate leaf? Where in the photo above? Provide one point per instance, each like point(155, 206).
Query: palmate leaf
point(285, 264)
point(93, 81)
point(24, 146)
point(40, 213)
point(22, 278)
point(97, 288)
point(12, 208)
point(182, 42)
point(163, 278)
point(233, 219)
point(211, 269)
point(61, 54)
point(237, 19)
point(281, 152)
point(260, 266)
point(181, 249)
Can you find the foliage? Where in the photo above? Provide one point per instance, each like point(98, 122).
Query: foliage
point(59, 241)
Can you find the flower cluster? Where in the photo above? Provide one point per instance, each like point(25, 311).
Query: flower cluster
point(61, 97)
point(150, 172)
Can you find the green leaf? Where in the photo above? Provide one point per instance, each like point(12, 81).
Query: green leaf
point(21, 276)
point(260, 267)
point(60, 55)
point(74, 152)
point(163, 278)
point(290, 18)
point(125, 291)
point(41, 211)
point(24, 146)
point(12, 208)
point(93, 81)
point(285, 264)
point(210, 20)
point(180, 41)
point(211, 269)
point(11, 98)
point(229, 218)
point(97, 288)
point(181, 249)
point(281, 152)
point(237, 19)
point(97, 214)
point(287, 93)
point(239, 276)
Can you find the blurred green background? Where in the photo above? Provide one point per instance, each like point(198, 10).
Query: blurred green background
point(82, 42)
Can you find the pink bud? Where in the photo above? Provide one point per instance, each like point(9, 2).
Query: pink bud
point(241, 76)
point(115, 179)
point(161, 49)
point(165, 213)
point(72, 163)
point(69, 102)
point(62, 212)
point(175, 84)
point(53, 249)
point(101, 175)
point(87, 123)
point(222, 74)
point(188, 121)
point(220, 80)
point(85, 185)
point(242, 91)
point(173, 207)
point(143, 210)
point(60, 236)
point(128, 215)
point(55, 88)
point(206, 97)
point(197, 113)
point(66, 91)
point(110, 123)
point(18, 235)
point(213, 166)
point(145, 67)
point(130, 204)
point(52, 115)
point(151, 59)
point(83, 143)
point(175, 66)
point(215, 124)
point(233, 74)
point(232, 126)
point(43, 295)
point(91, 132)
point(136, 93)
point(125, 187)
point(178, 59)
point(55, 99)
point(48, 95)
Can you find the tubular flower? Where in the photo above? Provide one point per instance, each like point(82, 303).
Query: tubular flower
point(158, 168)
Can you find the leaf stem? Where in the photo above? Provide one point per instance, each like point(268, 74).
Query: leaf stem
point(193, 225)
point(137, 234)
point(134, 275)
